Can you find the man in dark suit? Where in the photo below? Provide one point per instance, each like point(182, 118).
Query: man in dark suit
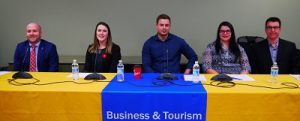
point(35, 54)
point(273, 49)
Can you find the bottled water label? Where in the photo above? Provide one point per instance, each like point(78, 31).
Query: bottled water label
point(75, 70)
point(120, 71)
point(274, 73)
point(196, 72)
point(75, 73)
point(196, 75)
point(120, 75)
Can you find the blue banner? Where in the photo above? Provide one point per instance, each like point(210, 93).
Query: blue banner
point(155, 100)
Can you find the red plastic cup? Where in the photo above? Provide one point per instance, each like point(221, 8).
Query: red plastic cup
point(137, 71)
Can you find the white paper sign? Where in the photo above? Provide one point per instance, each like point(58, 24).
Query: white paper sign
point(81, 75)
point(191, 78)
point(240, 77)
point(296, 76)
point(3, 72)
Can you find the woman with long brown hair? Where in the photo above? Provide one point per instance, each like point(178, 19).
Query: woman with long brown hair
point(103, 55)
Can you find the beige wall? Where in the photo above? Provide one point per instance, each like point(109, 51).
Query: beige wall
point(70, 24)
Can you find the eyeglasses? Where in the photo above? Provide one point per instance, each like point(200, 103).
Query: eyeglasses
point(225, 31)
point(272, 27)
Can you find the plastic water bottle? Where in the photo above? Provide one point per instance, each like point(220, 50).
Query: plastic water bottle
point(75, 70)
point(120, 71)
point(196, 72)
point(274, 73)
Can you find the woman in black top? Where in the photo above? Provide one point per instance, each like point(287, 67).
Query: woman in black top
point(103, 55)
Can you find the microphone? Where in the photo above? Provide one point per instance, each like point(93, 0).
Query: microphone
point(222, 78)
point(21, 74)
point(167, 76)
point(95, 76)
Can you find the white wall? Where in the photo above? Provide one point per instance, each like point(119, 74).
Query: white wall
point(70, 24)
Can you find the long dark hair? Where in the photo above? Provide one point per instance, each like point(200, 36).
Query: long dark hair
point(233, 47)
point(95, 45)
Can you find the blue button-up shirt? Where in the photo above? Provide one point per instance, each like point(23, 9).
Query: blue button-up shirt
point(164, 56)
point(274, 50)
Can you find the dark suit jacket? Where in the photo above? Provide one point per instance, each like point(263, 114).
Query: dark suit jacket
point(104, 64)
point(263, 61)
point(297, 67)
point(47, 58)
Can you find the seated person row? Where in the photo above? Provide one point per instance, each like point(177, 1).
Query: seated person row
point(264, 53)
point(36, 54)
point(103, 54)
point(223, 55)
point(106, 53)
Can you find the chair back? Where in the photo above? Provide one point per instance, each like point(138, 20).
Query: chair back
point(248, 41)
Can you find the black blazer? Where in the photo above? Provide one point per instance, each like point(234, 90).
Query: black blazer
point(297, 67)
point(262, 60)
point(107, 62)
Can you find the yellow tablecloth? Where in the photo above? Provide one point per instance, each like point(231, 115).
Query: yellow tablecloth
point(245, 103)
point(55, 102)
point(82, 102)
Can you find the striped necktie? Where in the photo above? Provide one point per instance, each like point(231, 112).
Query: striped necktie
point(32, 66)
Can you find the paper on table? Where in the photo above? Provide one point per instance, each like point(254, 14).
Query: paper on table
point(3, 72)
point(296, 76)
point(241, 77)
point(191, 78)
point(81, 75)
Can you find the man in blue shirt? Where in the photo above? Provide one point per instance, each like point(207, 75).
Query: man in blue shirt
point(162, 52)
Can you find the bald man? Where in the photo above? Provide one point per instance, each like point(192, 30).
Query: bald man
point(35, 54)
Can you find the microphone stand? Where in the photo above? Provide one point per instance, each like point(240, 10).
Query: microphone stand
point(95, 76)
point(21, 74)
point(167, 76)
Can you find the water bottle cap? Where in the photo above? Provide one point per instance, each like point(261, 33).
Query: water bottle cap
point(74, 60)
point(196, 61)
point(120, 61)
